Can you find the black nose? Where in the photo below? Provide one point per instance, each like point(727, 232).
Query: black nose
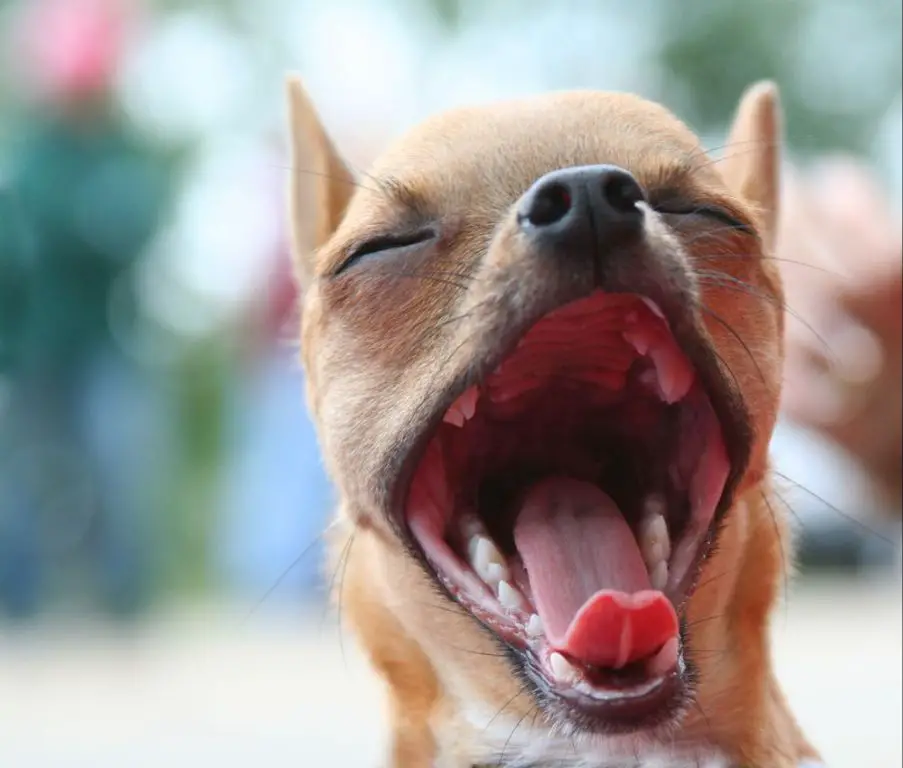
point(590, 206)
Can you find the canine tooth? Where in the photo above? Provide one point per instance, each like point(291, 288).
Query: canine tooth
point(675, 375)
point(535, 627)
point(463, 409)
point(653, 306)
point(468, 402)
point(509, 597)
point(563, 669)
point(659, 576)
point(486, 560)
point(454, 416)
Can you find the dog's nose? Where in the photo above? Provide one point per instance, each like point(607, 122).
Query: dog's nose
point(583, 207)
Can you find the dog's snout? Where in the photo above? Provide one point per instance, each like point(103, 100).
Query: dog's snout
point(583, 207)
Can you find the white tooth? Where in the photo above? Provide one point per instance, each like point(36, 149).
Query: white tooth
point(659, 576)
point(454, 416)
point(535, 627)
point(463, 409)
point(653, 306)
point(486, 560)
point(467, 403)
point(495, 572)
point(510, 598)
point(655, 543)
point(563, 669)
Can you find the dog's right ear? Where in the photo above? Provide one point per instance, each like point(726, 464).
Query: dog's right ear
point(751, 166)
point(320, 183)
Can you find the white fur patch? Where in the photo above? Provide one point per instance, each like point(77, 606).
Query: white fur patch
point(504, 741)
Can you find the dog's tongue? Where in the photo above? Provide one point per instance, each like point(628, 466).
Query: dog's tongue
point(587, 575)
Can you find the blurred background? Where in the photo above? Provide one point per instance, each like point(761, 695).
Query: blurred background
point(161, 493)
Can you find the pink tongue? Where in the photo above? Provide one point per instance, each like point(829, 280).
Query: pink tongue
point(587, 576)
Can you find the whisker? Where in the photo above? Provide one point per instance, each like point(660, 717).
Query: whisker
point(429, 277)
point(730, 329)
point(520, 692)
point(852, 518)
point(322, 175)
point(723, 280)
point(707, 619)
point(511, 735)
point(285, 573)
point(754, 147)
point(339, 573)
point(777, 532)
point(748, 144)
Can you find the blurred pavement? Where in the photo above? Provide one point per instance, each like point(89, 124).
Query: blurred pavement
point(210, 688)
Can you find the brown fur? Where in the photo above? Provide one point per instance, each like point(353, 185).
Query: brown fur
point(374, 348)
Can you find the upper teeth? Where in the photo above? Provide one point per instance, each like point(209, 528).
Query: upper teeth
point(463, 409)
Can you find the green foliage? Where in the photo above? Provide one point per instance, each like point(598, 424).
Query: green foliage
point(707, 51)
point(712, 51)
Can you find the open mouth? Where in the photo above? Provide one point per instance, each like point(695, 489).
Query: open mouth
point(567, 500)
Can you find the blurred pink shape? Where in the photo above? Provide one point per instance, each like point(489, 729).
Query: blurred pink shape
point(71, 48)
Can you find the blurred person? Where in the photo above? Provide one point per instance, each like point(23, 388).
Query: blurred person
point(843, 269)
point(78, 419)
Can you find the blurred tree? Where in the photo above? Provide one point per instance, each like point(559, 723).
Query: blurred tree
point(712, 50)
point(835, 93)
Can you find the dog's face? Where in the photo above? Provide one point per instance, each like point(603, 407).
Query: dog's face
point(542, 341)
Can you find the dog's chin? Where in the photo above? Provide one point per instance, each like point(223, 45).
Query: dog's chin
point(567, 500)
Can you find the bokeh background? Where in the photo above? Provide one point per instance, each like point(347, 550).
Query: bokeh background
point(161, 494)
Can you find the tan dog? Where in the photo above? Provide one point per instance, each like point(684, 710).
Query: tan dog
point(543, 348)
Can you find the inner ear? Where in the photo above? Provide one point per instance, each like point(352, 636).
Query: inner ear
point(751, 166)
point(321, 184)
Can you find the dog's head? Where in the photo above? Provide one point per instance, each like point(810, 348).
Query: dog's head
point(543, 345)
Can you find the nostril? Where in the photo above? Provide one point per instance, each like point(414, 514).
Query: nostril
point(622, 192)
point(549, 205)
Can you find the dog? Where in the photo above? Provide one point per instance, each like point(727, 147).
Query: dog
point(543, 347)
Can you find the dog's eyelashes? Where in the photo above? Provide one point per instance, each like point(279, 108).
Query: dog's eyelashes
point(383, 244)
point(713, 212)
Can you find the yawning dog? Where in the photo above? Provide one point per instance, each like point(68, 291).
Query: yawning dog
point(542, 341)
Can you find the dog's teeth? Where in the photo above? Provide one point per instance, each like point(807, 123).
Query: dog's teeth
point(510, 598)
point(659, 576)
point(463, 409)
point(487, 561)
point(563, 669)
point(454, 416)
point(468, 402)
point(535, 627)
point(495, 573)
point(655, 543)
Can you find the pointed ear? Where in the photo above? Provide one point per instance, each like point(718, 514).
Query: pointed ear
point(320, 185)
point(751, 166)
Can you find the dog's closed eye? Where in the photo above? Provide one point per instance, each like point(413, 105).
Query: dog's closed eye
point(706, 210)
point(383, 244)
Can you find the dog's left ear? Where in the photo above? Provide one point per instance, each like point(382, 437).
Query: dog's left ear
point(751, 166)
point(321, 184)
